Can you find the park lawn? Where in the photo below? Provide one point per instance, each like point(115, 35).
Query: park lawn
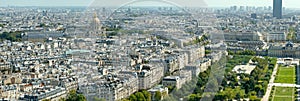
point(283, 99)
point(284, 94)
point(284, 91)
point(286, 75)
point(285, 79)
point(287, 71)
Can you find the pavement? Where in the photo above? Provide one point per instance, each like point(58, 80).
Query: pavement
point(270, 85)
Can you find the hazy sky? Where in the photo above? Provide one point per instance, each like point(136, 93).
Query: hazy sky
point(193, 3)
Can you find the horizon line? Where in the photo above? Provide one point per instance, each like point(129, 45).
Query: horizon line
point(138, 6)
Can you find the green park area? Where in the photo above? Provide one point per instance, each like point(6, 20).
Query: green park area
point(283, 94)
point(240, 86)
point(12, 36)
point(286, 74)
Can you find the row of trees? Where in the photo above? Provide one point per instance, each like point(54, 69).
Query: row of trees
point(73, 96)
point(291, 34)
point(244, 52)
point(140, 96)
point(208, 81)
point(199, 90)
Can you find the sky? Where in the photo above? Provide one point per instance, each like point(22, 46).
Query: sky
point(183, 3)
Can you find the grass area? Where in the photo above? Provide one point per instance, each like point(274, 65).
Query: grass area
point(286, 75)
point(284, 91)
point(283, 99)
point(283, 94)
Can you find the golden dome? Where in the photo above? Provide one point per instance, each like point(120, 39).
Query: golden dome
point(96, 19)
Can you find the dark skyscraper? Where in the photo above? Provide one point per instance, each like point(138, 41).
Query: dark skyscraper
point(277, 9)
point(254, 16)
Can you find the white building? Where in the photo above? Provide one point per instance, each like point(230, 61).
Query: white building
point(288, 50)
point(110, 88)
point(51, 93)
point(163, 90)
point(172, 81)
point(278, 36)
point(182, 77)
point(149, 75)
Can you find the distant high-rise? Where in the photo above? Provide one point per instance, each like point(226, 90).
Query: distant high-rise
point(277, 9)
point(254, 16)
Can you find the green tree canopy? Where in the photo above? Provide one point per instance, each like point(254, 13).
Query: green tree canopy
point(98, 99)
point(157, 96)
point(132, 97)
point(73, 96)
point(147, 95)
point(140, 96)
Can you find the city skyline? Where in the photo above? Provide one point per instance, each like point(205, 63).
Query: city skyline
point(188, 3)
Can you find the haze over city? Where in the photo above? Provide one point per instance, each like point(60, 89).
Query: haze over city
point(184, 3)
